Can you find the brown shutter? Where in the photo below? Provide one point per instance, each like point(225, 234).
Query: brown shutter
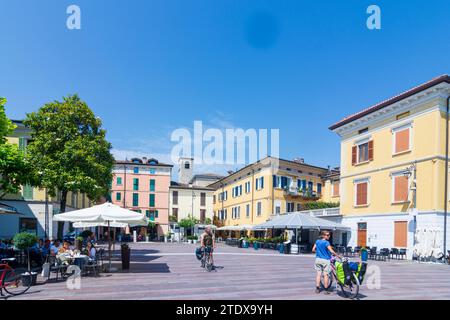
point(400, 234)
point(354, 155)
point(402, 141)
point(401, 189)
point(371, 150)
point(361, 194)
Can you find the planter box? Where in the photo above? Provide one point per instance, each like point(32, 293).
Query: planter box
point(28, 278)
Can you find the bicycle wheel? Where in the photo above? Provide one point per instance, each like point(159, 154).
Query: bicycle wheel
point(13, 283)
point(351, 290)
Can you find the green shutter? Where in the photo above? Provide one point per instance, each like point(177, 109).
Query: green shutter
point(22, 144)
point(118, 196)
point(135, 184)
point(119, 180)
point(152, 185)
point(27, 192)
point(152, 200)
point(135, 199)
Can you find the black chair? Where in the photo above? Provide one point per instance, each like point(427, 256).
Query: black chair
point(56, 266)
point(384, 254)
point(394, 252)
point(373, 253)
point(349, 251)
point(402, 253)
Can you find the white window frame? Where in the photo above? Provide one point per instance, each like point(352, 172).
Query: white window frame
point(258, 208)
point(394, 140)
point(361, 142)
point(396, 174)
point(247, 211)
point(355, 184)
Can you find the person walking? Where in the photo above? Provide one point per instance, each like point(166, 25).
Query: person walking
point(323, 251)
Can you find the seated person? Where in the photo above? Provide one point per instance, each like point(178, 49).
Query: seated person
point(90, 251)
point(2, 244)
point(46, 249)
point(54, 248)
point(65, 248)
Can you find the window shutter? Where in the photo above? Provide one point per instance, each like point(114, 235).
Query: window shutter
point(354, 155)
point(371, 150)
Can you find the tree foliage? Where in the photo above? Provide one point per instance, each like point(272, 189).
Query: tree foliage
point(69, 151)
point(14, 170)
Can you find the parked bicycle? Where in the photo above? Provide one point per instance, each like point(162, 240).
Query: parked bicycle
point(11, 280)
point(350, 281)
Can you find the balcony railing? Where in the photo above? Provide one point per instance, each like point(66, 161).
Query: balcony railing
point(328, 212)
point(306, 194)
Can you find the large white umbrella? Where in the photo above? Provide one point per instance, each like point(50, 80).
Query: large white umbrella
point(99, 224)
point(104, 213)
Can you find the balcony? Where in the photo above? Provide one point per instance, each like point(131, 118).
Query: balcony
point(305, 194)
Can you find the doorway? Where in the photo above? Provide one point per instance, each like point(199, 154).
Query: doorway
point(362, 234)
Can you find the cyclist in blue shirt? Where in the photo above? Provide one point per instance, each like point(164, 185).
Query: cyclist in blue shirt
point(323, 251)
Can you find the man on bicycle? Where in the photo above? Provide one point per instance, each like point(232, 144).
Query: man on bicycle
point(207, 243)
point(323, 251)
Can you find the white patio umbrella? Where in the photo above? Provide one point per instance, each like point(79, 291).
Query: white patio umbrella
point(106, 213)
point(99, 224)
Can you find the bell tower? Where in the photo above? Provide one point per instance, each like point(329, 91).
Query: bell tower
point(185, 170)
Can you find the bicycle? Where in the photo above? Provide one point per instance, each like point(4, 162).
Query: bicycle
point(12, 281)
point(349, 290)
point(207, 261)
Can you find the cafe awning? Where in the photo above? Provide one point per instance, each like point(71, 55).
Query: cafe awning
point(297, 220)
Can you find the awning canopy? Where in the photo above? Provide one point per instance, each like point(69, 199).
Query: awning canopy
point(99, 224)
point(297, 220)
point(102, 214)
point(5, 209)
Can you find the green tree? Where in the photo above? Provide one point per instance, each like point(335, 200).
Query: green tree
point(69, 151)
point(14, 170)
point(188, 223)
point(6, 126)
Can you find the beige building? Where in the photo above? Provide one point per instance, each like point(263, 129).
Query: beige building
point(192, 197)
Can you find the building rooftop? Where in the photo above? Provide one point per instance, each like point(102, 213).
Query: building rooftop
point(144, 161)
point(394, 99)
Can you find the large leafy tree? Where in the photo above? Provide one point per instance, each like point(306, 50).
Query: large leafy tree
point(69, 151)
point(13, 169)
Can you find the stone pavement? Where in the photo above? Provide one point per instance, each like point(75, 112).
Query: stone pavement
point(171, 271)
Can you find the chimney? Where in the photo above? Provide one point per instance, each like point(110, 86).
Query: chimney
point(230, 172)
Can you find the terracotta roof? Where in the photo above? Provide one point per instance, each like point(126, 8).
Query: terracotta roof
point(385, 103)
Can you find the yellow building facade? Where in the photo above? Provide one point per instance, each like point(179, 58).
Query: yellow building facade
point(268, 187)
point(31, 201)
point(393, 168)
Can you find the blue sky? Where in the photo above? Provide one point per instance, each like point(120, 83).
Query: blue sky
point(147, 67)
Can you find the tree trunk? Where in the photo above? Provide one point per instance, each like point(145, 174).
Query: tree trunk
point(62, 206)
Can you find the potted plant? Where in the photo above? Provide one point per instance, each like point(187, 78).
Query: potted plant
point(24, 241)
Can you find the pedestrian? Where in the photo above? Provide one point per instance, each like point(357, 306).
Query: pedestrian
point(323, 251)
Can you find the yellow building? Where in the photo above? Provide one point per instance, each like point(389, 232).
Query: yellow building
point(31, 202)
point(393, 168)
point(265, 188)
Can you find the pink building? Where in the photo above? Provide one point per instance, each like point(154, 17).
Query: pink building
point(143, 185)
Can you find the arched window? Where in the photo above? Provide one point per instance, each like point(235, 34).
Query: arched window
point(187, 165)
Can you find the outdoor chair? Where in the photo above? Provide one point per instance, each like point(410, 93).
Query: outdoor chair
point(373, 253)
point(91, 266)
point(402, 253)
point(384, 254)
point(394, 252)
point(56, 267)
point(349, 251)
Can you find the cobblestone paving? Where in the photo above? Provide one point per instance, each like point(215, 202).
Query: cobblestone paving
point(171, 271)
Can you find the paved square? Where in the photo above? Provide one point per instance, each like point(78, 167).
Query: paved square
point(171, 271)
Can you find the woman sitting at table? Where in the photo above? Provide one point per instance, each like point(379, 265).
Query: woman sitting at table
point(65, 248)
point(90, 251)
